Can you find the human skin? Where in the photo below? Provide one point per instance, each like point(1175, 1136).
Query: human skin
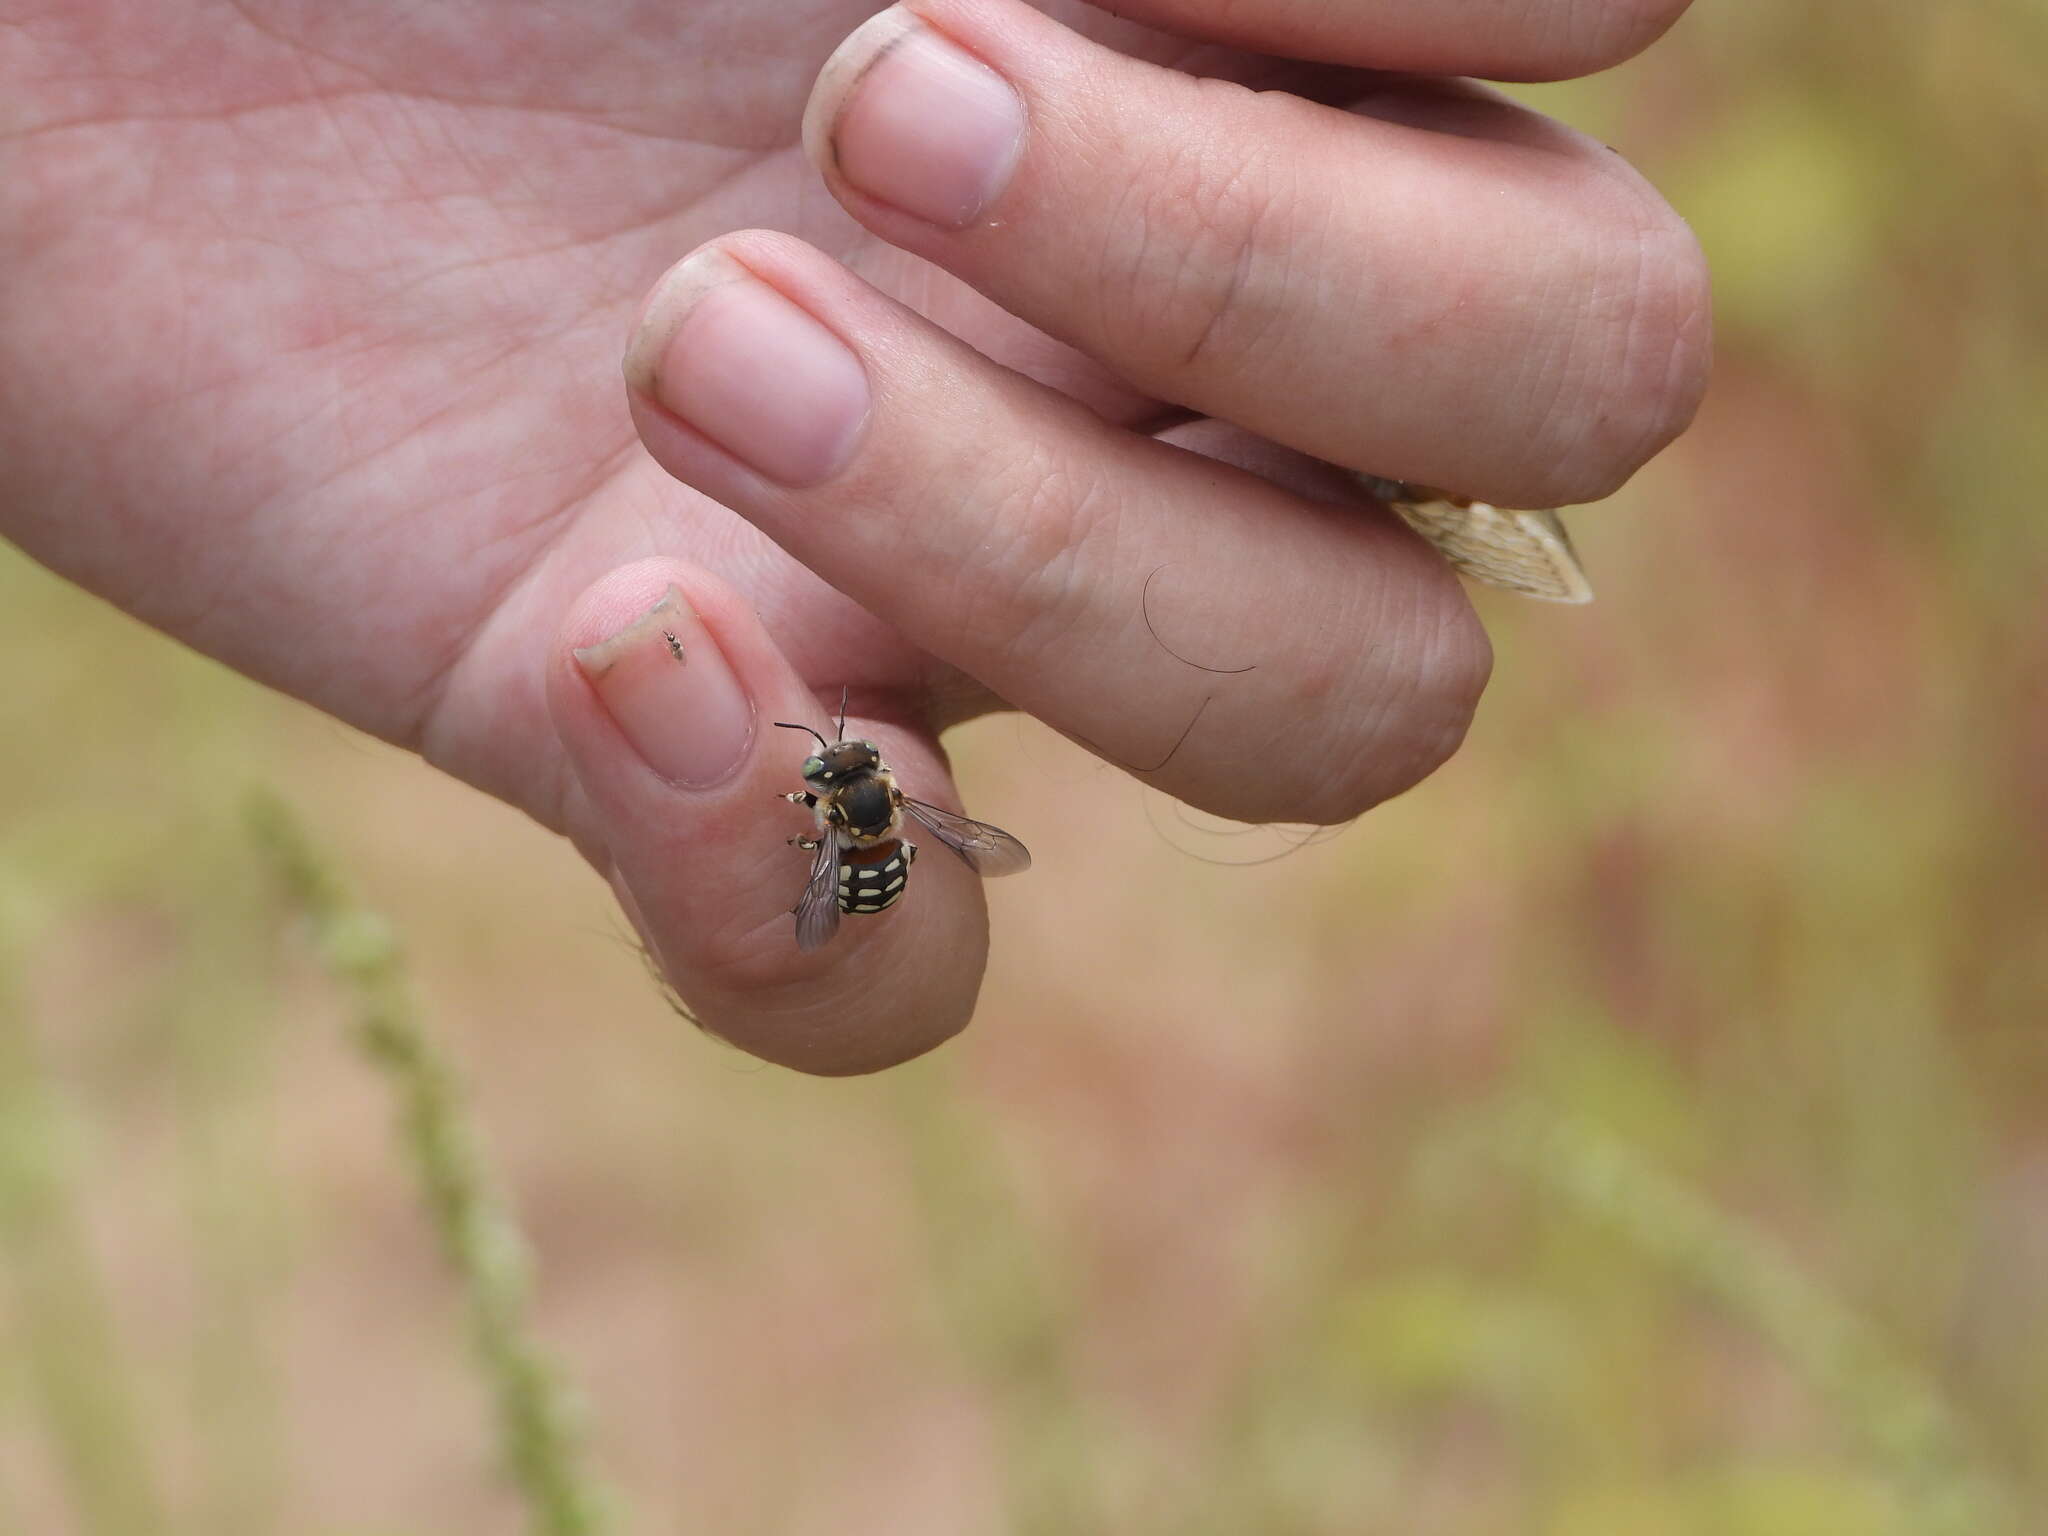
point(312, 321)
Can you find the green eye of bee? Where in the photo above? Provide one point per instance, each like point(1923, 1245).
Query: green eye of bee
point(813, 766)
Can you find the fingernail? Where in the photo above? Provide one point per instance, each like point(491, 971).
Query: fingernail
point(666, 684)
point(760, 377)
point(914, 120)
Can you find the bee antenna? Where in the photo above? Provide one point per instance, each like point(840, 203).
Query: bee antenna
point(822, 742)
point(843, 690)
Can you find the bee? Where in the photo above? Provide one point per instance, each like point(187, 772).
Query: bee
point(860, 859)
point(1525, 552)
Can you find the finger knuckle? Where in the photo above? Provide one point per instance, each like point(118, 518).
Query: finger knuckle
point(1189, 272)
point(1421, 707)
point(1042, 514)
point(1637, 364)
point(1359, 723)
point(1455, 664)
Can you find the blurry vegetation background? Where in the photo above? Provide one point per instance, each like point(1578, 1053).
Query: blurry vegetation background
point(1642, 1128)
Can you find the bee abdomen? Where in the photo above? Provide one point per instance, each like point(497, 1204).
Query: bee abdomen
point(871, 879)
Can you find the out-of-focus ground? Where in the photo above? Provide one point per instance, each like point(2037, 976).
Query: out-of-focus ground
point(1642, 1128)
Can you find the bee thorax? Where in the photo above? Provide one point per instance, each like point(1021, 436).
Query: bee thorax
point(865, 807)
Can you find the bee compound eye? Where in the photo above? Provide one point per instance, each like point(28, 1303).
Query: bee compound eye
point(813, 766)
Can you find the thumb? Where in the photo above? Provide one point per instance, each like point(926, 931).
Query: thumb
point(664, 687)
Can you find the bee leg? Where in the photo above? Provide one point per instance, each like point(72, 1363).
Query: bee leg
point(808, 802)
point(909, 854)
point(808, 844)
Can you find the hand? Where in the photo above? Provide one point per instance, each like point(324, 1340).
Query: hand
point(308, 340)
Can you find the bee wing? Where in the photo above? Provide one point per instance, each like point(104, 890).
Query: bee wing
point(988, 851)
point(1525, 552)
point(817, 910)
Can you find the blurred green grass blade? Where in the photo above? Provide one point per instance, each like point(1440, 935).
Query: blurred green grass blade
point(537, 1427)
point(1903, 1419)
